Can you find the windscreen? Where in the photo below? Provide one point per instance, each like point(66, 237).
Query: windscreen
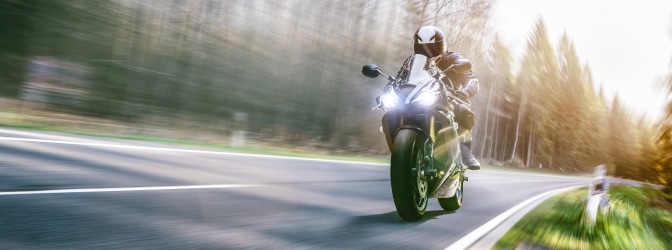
point(417, 72)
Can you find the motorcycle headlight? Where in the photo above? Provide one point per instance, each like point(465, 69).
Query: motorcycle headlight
point(426, 98)
point(389, 100)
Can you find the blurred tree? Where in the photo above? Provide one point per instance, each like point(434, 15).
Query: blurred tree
point(493, 113)
point(663, 157)
point(538, 83)
point(622, 141)
point(16, 27)
point(571, 112)
point(595, 142)
point(646, 145)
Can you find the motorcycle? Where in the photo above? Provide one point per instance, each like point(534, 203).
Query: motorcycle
point(421, 132)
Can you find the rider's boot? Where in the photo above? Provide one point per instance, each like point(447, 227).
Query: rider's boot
point(467, 157)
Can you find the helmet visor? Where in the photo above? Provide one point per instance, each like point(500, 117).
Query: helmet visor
point(428, 49)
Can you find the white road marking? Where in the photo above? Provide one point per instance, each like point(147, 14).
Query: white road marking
point(128, 189)
point(477, 234)
point(175, 150)
point(538, 174)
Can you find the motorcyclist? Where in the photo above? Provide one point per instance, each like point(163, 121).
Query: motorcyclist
point(429, 41)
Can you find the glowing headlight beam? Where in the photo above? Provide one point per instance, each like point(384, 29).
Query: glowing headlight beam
point(389, 100)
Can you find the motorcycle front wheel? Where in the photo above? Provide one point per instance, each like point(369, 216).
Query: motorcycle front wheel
point(409, 186)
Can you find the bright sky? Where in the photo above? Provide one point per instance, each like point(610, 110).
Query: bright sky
point(627, 43)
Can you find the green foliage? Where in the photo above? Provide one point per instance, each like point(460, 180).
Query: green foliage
point(638, 218)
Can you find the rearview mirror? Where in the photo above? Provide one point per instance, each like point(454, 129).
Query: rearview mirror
point(371, 70)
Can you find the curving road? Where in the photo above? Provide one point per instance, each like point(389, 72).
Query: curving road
point(72, 192)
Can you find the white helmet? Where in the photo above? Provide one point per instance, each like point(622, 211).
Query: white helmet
point(428, 41)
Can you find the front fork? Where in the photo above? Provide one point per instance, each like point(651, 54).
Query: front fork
point(425, 163)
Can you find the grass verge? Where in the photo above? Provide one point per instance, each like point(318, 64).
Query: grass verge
point(638, 218)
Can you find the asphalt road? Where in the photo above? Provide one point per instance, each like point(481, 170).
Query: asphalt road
point(73, 192)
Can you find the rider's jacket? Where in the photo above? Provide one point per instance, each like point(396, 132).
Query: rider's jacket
point(461, 80)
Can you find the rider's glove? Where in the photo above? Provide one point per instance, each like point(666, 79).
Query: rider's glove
point(462, 94)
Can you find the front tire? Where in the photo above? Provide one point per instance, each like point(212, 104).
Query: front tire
point(409, 187)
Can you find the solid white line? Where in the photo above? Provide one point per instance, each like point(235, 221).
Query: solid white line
point(537, 174)
point(477, 234)
point(175, 150)
point(128, 189)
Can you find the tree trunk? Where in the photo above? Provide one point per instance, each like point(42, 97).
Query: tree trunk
point(521, 111)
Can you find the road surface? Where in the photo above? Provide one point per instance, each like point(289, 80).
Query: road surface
point(61, 191)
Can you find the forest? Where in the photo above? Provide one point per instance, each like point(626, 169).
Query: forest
point(292, 68)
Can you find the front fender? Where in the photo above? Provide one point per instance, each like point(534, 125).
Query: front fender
point(424, 119)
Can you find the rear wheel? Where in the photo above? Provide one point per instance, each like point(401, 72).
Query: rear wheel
point(455, 202)
point(409, 186)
